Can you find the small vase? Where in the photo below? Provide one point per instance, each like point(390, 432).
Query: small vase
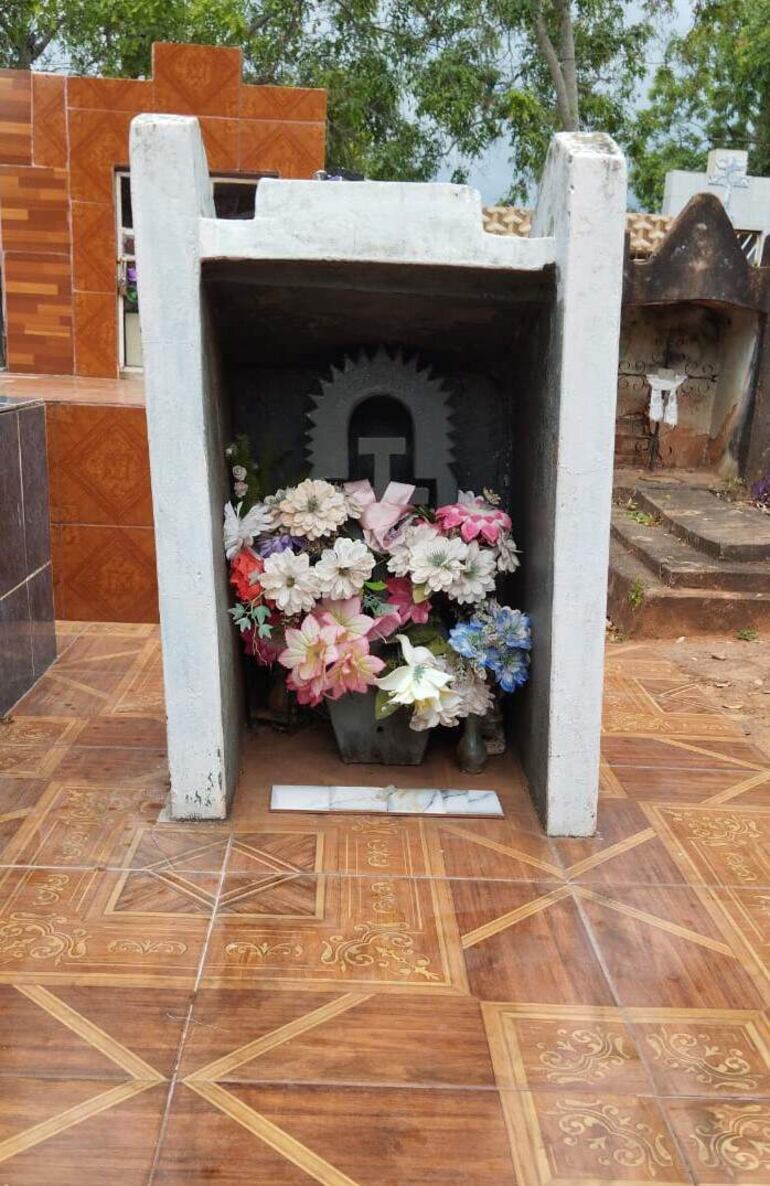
point(472, 749)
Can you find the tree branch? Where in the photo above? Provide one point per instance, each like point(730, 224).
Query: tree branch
point(545, 44)
point(568, 64)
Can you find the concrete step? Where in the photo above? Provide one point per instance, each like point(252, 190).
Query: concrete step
point(677, 563)
point(709, 523)
point(641, 606)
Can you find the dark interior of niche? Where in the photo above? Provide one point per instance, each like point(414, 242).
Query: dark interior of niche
point(280, 328)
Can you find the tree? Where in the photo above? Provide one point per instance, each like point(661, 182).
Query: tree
point(712, 90)
point(414, 86)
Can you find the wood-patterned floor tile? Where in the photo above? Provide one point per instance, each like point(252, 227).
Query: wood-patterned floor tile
point(564, 1048)
point(79, 1132)
point(125, 767)
point(103, 927)
point(18, 799)
point(625, 850)
point(495, 849)
point(719, 845)
point(711, 1052)
point(672, 784)
point(527, 943)
point(290, 1135)
point(393, 933)
point(707, 753)
point(341, 1037)
point(668, 947)
point(591, 1137)
point(88, 1031)
point(724, 1141)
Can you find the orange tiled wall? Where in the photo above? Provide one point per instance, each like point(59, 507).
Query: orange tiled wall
point(61, 140)
point(102, 538)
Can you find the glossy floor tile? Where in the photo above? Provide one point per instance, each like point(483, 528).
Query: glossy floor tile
point(363, 1000)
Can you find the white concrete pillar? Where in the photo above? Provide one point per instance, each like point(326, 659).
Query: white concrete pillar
point(582, 206)
point(170, 192)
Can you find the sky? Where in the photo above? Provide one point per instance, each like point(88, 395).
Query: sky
point(491, 174)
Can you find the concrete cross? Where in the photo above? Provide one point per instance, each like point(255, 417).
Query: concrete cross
point(727, 170)
point(382, 449)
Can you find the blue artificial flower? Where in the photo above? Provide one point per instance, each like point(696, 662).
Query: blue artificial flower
point(510, 667)
point(467, 639)
point(512, 628)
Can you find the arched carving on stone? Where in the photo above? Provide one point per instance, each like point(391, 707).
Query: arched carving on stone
point(401, 378)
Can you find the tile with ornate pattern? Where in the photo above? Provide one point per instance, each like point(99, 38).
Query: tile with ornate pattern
point(363, 1000)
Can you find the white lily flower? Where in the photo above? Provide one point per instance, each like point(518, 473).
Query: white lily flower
point(419, 680)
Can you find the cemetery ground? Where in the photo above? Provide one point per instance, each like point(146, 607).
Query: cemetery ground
point(349, 999)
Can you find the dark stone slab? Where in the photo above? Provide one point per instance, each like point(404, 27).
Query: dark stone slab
point(34, 478)
point(13, 562)
point(16, 671)
point(641, 606)
point(677, 563)
point(719, 528)
point(41, 614)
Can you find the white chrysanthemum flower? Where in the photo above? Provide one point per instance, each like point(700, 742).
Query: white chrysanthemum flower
point(290, 582)
point(312, 509)
point(239, 531)
point(343, 568)
point(507, 554)
point(419, 679)
point(476, 577)
point(403, 541)
point(437, 562)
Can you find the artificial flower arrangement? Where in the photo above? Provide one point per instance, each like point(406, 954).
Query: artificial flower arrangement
point(350, 594)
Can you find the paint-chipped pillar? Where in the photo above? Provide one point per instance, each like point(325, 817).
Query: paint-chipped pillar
point(170, 192)
point(568, 461)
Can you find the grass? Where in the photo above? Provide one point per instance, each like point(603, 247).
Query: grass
point(747, 634)
point(643, 517)
point(636, 593)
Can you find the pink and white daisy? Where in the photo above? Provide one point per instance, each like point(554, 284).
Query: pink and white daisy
point(474, 516)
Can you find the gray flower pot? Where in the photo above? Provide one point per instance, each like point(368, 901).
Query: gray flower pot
point(362, 738)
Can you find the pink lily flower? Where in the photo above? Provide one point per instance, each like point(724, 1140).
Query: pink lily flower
point(355, 671)
point(309, 649)
point(400, 596)
point(310, 692)
point(345, 617)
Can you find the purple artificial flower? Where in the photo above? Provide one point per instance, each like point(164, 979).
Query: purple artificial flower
point(278, 543)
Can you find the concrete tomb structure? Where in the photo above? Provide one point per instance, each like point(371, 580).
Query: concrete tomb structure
point(485, 360)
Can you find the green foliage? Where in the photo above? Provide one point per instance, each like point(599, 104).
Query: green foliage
point(642, 517)
point(711, 90)
point(384, 706)
point(747, 634)
point(414, 87)
point(636, 593)
point(252, 617)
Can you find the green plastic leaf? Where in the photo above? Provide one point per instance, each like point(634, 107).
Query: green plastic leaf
point(383, 706)
point(376, 586)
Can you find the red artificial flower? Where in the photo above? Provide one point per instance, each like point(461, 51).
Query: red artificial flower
point(244, 575)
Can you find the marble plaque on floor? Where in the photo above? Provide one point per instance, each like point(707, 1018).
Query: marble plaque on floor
point(388, 800)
